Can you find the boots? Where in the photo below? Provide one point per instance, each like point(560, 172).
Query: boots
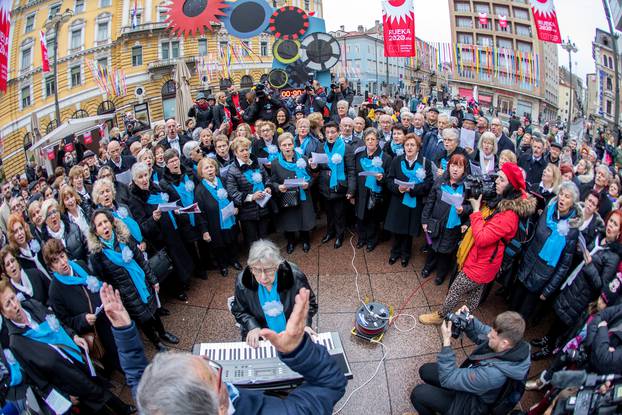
point(433, 319)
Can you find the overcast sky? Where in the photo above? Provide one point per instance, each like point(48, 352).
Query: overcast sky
point(578, 18)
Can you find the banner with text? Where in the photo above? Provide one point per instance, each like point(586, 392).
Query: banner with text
point(398, 19)
point(545, 18)
point(5, 28)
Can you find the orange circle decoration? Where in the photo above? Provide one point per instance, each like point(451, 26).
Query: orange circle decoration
point(289, 23)
point(194, 16)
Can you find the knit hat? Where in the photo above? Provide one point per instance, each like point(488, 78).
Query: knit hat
point(515, 176)
point(611, 292)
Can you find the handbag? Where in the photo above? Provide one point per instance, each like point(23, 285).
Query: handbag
point(375, 200)
point(161, 265)
point(289, 199)
point(434, 228)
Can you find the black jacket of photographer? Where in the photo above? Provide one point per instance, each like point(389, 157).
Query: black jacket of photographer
point(339, 94)
point(600, 339)
point(202, 117)
point(264, 108)
point(312, 103)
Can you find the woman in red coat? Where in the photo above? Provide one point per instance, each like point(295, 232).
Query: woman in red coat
point(489, 239)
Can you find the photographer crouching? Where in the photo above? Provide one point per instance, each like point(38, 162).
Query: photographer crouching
point(490, 379)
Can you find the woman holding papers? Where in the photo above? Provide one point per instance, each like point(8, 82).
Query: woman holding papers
point(158, 224)
point(291, 180)
point(410, 178)
point(115, 257)
point(248, 185)
point(217, 219)
point(74, 297)
point(444, 214)
point(372, 167)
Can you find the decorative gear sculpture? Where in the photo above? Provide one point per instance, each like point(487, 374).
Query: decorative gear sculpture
point(188, 17)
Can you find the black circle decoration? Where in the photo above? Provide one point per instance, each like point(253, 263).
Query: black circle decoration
point(286, 51)
point(277, 78)
point(320, 51)
point(247, 18)
point(298, 75)
point(289, 22)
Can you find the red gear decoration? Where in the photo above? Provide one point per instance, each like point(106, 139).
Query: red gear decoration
point(181, 24)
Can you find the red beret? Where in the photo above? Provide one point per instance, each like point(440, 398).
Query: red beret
point(514, 175)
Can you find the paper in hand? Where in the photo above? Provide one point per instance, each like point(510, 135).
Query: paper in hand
point(89, 363)
point(167, 207)
point(264, 201)
point(454, 200)
point(475, 169)
point(294, 183)
point(435, 169)
point(125, 177)
point(583, 244)
point(410, 185)
point(99, 309)
point(467, 138)
point(228, 211)
point(369, 173)
point(319, 158)
point(57, 402)
point(263, 161)
point(193, 208)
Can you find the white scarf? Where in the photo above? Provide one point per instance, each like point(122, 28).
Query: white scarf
point(28, 254)
point(80, 220)
point(26, 286)
point(487, 163)
point(60, 234)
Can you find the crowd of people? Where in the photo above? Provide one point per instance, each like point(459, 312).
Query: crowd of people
point(535, 211)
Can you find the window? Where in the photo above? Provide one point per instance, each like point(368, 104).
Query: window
point(50, 85)
point(246, 48)
point(79, 8)
point(170, 50)
point(137, 56)
point(522, 14)
point(524, 47)
point(465, 38)
point(222, 46)
point(463, 7)
point(484, 40)
point(169, 91)
point(609, 84)
point(502, 11)
point(202, 47)
point(26, 57)
point(523, 30)
point(162, 14)
point(76, 76)
point(103, 62)
point(504, 43)
point(610, 62)
point(105, 3)
point(50, 38)
point(102, 32)
point(54, 9)
point(26, 96)
point(75, 40)
point(464, 22)
point(307, 5)
point(264, 48)
point(30, 23)
point(604, 60)
point(608, 108)
point(482, 8)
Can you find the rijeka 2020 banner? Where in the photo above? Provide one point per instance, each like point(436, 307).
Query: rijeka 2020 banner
point(5, 28)
point(546, 20)
point(398, 19)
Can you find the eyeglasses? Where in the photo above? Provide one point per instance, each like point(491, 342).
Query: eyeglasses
point(51, 212)
point(217, 368)
point(263, 271)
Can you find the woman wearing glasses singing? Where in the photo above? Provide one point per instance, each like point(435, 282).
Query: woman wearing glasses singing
point(265, 291)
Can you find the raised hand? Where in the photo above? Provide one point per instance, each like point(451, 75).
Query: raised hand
point(113, 307)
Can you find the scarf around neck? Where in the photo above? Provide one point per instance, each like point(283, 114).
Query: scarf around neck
point(219, 193)
point(272, 307)
point(299, 167)
point(335, 161)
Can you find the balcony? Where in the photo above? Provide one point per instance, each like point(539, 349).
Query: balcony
point(143, 27)
point(167, 63)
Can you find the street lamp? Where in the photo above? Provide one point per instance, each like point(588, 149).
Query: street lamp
point(571, 48)
point(54, 23)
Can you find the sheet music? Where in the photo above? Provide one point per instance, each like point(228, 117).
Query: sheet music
point(453, 200)
point(264, 201)
point(228, 211)
point(167, 207)
point(369, 173)
point(410, 185)
point(293, 183)
point(263, 161)
point(125, 177)
point(467, 138)
point(319, 158)
point(57, 402)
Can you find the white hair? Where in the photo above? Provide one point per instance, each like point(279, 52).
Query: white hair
point(189, 148)
point(139, 168)
point(264, 252)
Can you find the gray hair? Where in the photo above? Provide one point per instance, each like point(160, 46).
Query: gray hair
point(47, 205)
point(98, 187)
point(144, 152)
point(189, 148)
point(264, 252)
point(139, 168)
point(572, 189)
point(342, 103)
point(605, 170)
point(452, 134)
point(103, 170)
point(196, 133)
point(488, 136)
point(171, 385)
point(407, 114)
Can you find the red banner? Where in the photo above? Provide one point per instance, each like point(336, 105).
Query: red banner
point(5, 28)
point(398, 19)
point(88, 138)
point(545, 18)
point(45, 62)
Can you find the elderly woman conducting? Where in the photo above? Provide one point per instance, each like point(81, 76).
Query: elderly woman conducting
point(265, 291)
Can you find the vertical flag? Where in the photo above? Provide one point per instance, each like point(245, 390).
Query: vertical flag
point(45, 62)
point(5, 28)
point(545, 19)
point(398, 19)
point(135, 15)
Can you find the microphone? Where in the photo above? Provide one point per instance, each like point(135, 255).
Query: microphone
point(570, 378)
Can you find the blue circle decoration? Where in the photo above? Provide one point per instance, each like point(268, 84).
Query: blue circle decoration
point(247, 18)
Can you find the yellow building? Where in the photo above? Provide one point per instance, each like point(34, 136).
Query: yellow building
point(103, 31)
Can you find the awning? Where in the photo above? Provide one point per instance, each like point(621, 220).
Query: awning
point(71, 127)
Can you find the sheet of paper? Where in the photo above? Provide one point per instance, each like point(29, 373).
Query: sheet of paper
point(368, 173)
point(158, 303)
point(99, 309)
point(57, 402)
point(475, 170)
point(467, 138)
point(167, 207)
point(125, 177)
point(319, 158)
point(294, 183)
point(453, 200)
point(435, 169)
point(193, 208)
point(228, 211)
point(583, 244)
point(410, 185)
point(262, 202)
point(89, 363)
point(263, 161)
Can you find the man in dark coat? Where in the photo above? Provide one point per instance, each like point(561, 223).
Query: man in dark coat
point(458, 113)
point(201, 111)
point(514, 124)
point(172, 139)
point(339, 92)
point(432, 143)
point(503, 142)
point(264, 108)
point(534, 162)
point(119, 163)
point(312, 100)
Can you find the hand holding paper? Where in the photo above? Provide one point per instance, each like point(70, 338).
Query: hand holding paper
point(409, 185)
point(294, 183)
point(319, 158)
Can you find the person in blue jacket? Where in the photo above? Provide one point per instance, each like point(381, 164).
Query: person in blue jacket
point(183, 384)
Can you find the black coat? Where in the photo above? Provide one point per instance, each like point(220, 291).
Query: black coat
point(600, 339)
point(295, 218)
point(605, 204)
point(161, 233)
point(40, 286)
point(263, 109)
point(246, 307)
point(362, 192)
point(347, 186)
point(218, 116)
point(400, 218)
point(574, 299)
point(504, 143)
point(235, 115)
point(288, 127)
point(209, 218)
point(126, 163)
point(537, 276)
point(27, 263)
point(122, 192)
point(167, 183)
point(238, 188)
point(333, 98)
point(533, 169)
point(47, 369)
point(74, 241)
point(202, 117)
point(119, 277)
point(594, 228)
point(312, 147)
point(437, 210)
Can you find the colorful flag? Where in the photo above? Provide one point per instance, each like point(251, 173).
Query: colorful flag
point(135, 15)
point(45, 62)
point(545, 19)
point(5, 29)
point(398, 18)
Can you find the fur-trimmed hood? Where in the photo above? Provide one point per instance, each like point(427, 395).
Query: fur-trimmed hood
point(586, 178)
point(121, 232)
point(523, 207)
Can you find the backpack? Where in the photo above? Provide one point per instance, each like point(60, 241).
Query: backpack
point(524, 234)
point(509, 396)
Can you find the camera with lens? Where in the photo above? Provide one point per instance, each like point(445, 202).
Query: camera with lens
point(590, 397)
point(334, 86)
point(484, 185)
point(260, 91)
point(578, 357)
point(459, 322)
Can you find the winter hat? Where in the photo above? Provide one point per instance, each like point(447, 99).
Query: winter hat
point(515, 176)
point(611, 292)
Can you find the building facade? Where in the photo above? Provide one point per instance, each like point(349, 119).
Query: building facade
point(105, 32)
point(566, 88)
point(497, 50)
point(604, 105)
point(615, 7)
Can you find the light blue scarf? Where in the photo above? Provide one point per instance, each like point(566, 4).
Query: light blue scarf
point(372, 165)
point(413, 175)
point(304, 144)
point(271, 156)
point(55, 336)
point(301, 172)
point(131, 224)
point(222, 202)
point(453, 220)
point(556, 242)
point(398, 149)
point(125, 260)
point(185, 190)
point(158, 199)
point(337, 169)
point(80, 277)
point(250, 176)
point(272, 307)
